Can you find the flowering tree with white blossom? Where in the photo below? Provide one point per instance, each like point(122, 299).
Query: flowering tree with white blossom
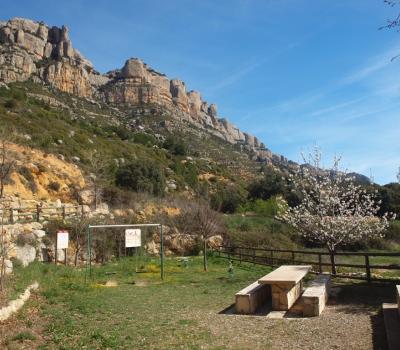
point(334, 210)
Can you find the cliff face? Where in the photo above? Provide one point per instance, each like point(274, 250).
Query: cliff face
point(32, 50)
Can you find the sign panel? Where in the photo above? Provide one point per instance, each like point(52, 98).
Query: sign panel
point(133, 238)
point(62, 239)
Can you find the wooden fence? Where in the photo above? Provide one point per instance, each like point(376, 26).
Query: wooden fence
point(40, 213)
point(348, 264)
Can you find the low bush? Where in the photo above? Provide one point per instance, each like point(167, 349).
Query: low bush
point(175, 145)
point(228, 199)
point(141, 176)
point(25, 238)
point(27, 175)
point(268, 208)
point(10, 104)
point(54, 186)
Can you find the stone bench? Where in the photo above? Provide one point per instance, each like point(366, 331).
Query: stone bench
point(316, 295)
point(398, 297)
point(249, 299)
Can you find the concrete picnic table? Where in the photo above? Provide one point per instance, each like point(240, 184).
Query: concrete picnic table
point(286, 285)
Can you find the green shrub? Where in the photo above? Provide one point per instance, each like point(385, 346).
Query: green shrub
point(26, 173)
point(188, 171)
point(122, 132)
point(228, 199)
point(141, 176)
point(268, 208)
point(10, 104)
point(41, 167)
point(54, 186)
point(393, 232)
point(272, 184)
point(24, 336)
point(175, 145)
point(144, 139)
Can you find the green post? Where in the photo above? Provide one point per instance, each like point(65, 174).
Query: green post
point(162, 251)
point(205, 254)
point(88, 253)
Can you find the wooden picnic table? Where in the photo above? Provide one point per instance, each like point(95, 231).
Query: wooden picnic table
point(286, 285)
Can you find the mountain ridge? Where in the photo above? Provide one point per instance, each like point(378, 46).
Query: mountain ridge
point(33, 50)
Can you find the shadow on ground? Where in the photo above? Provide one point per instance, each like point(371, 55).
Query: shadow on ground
point(262, 311)
point(355, 299)
point(366, 298)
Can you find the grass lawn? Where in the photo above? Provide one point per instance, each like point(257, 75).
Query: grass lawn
point(141, 312)
point(183, 312)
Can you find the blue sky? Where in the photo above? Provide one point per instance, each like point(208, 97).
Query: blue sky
point(295, 73)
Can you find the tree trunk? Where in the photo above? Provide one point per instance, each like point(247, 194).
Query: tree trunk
point(1, 188)
point(76, 256)
point(205, 254)
point(333, 263)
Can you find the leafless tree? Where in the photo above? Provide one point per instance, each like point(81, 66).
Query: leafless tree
point(78, 235)
point(98, 174)
point(7, 163)
point(392, 23)
point(198, 218)
point(4, 246)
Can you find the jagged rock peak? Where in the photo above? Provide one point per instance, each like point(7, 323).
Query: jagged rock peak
point(134, 68)
point(40, 40)
point(33, 50)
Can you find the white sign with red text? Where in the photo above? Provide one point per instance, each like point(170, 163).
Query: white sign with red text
point(133, 238)
point(62, 239)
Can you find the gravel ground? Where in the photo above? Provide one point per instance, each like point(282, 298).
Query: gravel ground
point(351, 320)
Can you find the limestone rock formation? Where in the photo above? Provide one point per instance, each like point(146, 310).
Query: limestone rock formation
point(30, 49)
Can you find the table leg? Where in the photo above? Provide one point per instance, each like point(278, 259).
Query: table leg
point(285, 295)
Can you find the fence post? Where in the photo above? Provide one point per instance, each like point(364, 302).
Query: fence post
point(320, 262)
point(240, 256)
point(37, 212)
point(11, 215)
point(254, 256)
point(367, 267)
point(272, 258)
point(293, 258)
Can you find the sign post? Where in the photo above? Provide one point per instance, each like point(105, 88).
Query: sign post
point(62, 243)
point(132, 239)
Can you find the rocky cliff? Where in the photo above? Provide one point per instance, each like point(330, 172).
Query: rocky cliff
point(32, 50)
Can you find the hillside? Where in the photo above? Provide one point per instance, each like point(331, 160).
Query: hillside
point(58, 103)
point(32, 50)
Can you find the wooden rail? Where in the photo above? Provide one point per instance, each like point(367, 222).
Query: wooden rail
point(275, 257)
point(40, 213)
